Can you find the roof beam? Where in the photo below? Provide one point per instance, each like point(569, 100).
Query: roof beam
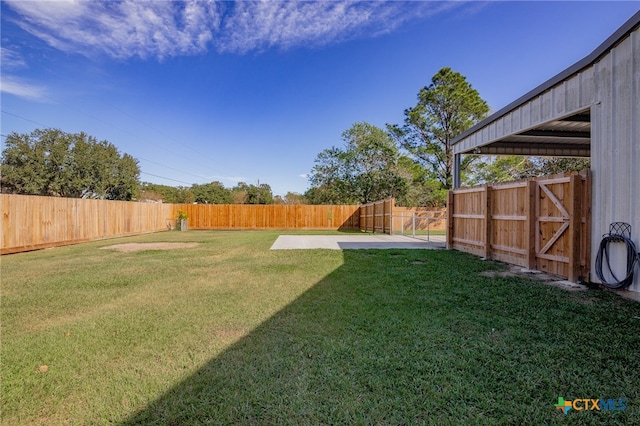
point(545, 151)
point(557, 133)
point(578, 118)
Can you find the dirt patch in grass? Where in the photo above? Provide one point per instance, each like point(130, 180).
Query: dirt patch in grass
point(131, 247)
point(230, 333)
point(516, 271)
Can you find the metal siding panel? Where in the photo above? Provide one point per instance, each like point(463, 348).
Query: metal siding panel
point(635, 146)
point(621, 77)
point(536, 106)
point(507, 123)
point(587, 91)
point(546, 110)
point(627, 82)
point(500, 127)
point(525, 115)
point(560, 98)
point(516, 119)
point(616, 147)
point(476, 140)
point(599, 153)
point(470, 142)
point(572, 94)
point(484, 134)
point(461, 146)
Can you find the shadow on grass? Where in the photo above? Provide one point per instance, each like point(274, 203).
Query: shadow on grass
point(417, 341)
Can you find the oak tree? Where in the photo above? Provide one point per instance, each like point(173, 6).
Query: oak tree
point(365, 170)
point(54, 163)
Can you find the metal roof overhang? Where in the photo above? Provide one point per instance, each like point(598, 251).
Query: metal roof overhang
point(563, 136)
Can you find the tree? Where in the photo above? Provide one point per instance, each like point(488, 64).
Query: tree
point(365, 170)
point(329, 179)
point(554, 165)
point(422, 188)
point(445, 109)
point(166, 193)
point(54, 163)
point(211, 193)
point(494, 169)
point(244, 193)
point(294, 198)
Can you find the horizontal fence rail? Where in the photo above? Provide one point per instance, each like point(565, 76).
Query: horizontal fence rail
point(541, 223)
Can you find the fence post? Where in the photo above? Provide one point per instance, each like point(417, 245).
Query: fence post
point(384, 216)
point(450, 229)
point(393, 206)
point(530, 225)
point(585, 243)
point(413, 223)
point(487, 222)
point(575, 223)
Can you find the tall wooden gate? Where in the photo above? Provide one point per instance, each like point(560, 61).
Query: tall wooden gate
point(561, 230)
point(542, 223)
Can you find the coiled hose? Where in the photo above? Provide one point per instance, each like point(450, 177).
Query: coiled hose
point(603, 255)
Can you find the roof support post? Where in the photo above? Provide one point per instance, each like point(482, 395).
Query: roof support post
point(456, 171)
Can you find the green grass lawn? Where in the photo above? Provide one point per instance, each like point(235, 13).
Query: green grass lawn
point(231, 332)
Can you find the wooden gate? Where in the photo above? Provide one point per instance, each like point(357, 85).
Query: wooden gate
point(559, 228)
point(542, 223)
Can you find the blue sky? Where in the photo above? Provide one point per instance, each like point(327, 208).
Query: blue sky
point(248, 91)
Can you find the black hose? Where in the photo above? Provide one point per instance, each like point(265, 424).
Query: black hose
point(603, 254)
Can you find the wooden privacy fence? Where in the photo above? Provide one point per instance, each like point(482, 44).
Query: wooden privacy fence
point(406, 219)
point(248, 216)
point(541, 223)
point(33, 222)
point(376, 217)
point(383, 216)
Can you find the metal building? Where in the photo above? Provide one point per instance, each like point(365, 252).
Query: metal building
point(591, 109)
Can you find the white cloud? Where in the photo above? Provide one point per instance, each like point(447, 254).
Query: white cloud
point(256, 25)
point(303, 175)
point(128, 28)
point(18, 87)
point(11, 59)
point(121, 29)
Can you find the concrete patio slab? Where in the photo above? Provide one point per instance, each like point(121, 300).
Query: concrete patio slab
point(349, 241)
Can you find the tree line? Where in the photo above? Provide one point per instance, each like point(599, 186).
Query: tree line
point(412, 161)
point(216, 193)
point(51, 162)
